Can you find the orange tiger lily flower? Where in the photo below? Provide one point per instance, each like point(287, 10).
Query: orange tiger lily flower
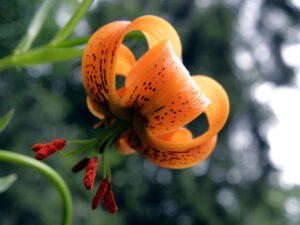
point(149, 112)
point(159, 95)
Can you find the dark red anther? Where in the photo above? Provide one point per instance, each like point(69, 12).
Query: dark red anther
point(45, 150)
point(37, 147)
point(109, 200)
point(80, 165)
point(59, 144)
point(100, 193)
point(90, 173)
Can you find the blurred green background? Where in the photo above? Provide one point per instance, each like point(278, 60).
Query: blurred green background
point(237, 42)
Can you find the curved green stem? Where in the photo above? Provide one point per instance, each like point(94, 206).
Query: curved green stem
point(50, 173)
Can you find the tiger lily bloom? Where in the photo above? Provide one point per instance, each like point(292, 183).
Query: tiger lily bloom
point(159, 96)
point(148, 114)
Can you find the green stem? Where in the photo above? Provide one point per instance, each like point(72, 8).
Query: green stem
point(28, 58)
point(116, 129)
point(81, 142)
point(34, 27)
point(7, 62)
point(118, 126)
point(50, 173)
point(40, 55)
point(79, 150)
point(74, 42)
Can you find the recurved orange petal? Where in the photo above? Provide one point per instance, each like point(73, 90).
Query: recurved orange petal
point(96, 66)
point(124, 144)
point(217, 113)
point(101, 61)
point(94, 109)
point(163, 93)
point(125, 60)
point(168, 159)
point(176, 159)
point(179, 135)
point(156, 29)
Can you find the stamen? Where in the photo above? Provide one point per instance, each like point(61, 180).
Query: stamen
point(46, 150)
point(109, 200)
point(100, 193)
point(37, 147)
point(59, 144)
point(90, 174)
point(80, 165)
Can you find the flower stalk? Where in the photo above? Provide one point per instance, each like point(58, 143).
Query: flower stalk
point(50, 173)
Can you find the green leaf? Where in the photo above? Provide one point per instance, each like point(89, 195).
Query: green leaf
point(4, 121)
point(68, 28)
point(7, 181)
point(34, 27)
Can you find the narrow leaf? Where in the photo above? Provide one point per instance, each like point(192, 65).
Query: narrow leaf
point(47, 55)
point(34, 27)
point(68, 28)
point(7, 181)
point(4, 121)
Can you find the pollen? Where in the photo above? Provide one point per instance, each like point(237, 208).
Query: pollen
point(45, 150)
point(109, 200)
point(37, 147)
point(100, 193)
point(90, 174)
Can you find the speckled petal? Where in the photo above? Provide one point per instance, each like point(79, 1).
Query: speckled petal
point(176, 159)
point(124, 144)
point(217, 113)
point(94, 108)
point(101, 61)
point(164, 93)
